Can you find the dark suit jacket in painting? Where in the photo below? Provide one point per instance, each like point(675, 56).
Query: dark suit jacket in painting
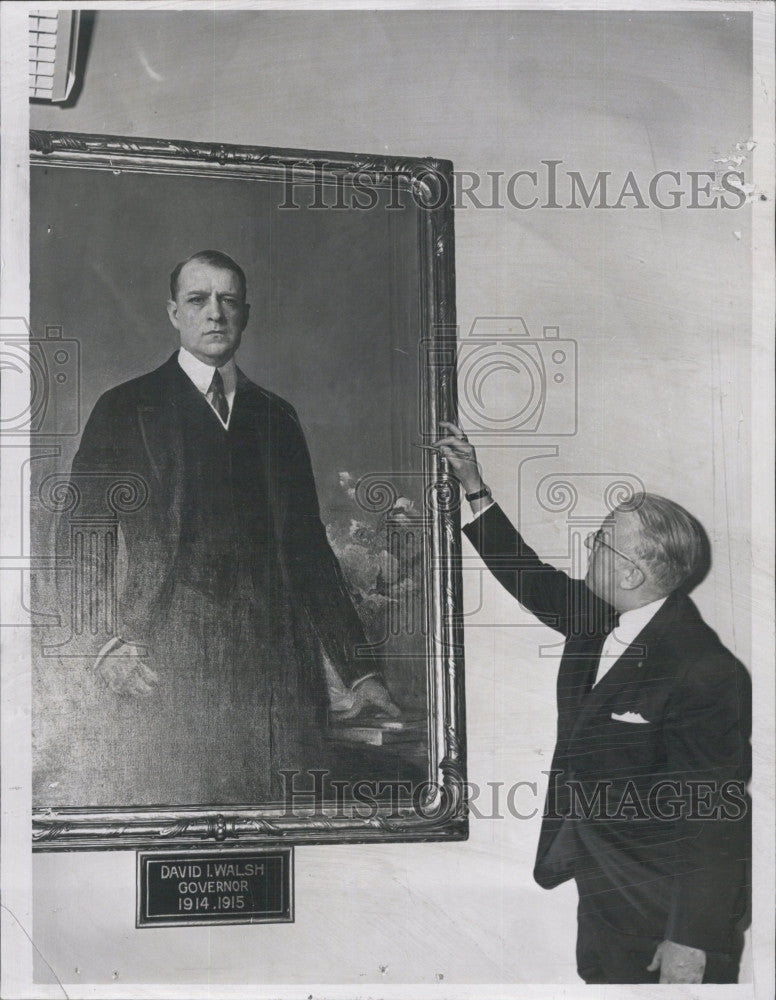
point(138, 427)
point(231, 585)
point(650, 818)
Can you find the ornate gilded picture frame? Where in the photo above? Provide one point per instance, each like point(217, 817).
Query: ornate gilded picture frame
point(246, 624)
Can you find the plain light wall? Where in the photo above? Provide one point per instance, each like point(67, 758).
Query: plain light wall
point(658, 303)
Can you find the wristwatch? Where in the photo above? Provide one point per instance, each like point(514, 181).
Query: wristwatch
point(479, 495)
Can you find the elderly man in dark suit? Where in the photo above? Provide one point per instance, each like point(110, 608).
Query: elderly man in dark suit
point(235, 628)
point(646, 806)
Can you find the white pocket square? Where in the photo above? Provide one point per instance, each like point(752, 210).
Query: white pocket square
point(629, 717)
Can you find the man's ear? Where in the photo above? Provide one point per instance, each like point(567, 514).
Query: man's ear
point(246, 314)
point(172, 312)
point(631, 578)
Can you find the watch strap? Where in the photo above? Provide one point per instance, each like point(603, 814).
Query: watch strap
point(479, 494)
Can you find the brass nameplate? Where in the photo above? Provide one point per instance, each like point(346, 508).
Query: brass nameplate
point(215, 887)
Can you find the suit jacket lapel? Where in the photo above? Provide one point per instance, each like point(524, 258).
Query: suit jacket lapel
point(160, 417)
point(260, 410)
point(580, 661)
point(631, 666)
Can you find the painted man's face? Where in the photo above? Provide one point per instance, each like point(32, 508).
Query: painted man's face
point(209, 312)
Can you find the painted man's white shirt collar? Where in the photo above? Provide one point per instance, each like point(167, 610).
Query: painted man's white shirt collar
point(202, 375)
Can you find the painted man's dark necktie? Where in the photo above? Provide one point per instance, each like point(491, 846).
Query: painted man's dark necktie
point(217, 397)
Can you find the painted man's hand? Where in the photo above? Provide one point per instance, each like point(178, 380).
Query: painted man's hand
point(371, 694)
point(124, 672)
point(678, 963)
point(461, 457)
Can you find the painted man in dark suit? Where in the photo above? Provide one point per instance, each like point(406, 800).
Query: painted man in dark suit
point(646, 807)
point(235, 625)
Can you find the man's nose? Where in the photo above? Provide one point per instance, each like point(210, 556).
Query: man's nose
point(590, 539)
point(214, 307)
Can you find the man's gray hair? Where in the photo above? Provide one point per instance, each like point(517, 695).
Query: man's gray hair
point(673, 544)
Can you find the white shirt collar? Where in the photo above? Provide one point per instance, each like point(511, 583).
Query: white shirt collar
point(632, 622)
point(202, 375)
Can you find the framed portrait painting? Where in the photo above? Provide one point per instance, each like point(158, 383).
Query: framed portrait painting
point(246, 600)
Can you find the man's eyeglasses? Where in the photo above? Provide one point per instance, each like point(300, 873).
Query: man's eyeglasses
point(596, 539)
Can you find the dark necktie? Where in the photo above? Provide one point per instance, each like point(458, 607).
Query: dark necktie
point(217, 397)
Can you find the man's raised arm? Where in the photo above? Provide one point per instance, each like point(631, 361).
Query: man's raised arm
point(555, 598)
